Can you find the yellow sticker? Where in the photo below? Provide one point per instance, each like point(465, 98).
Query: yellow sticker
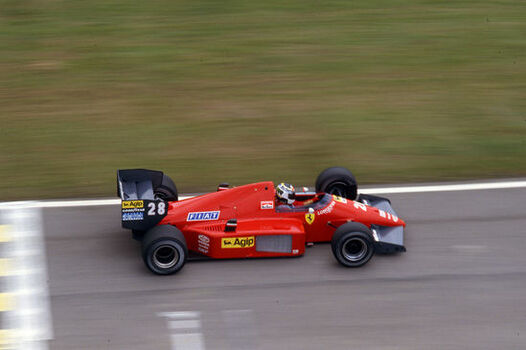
point(339, 199)
point(309, 217)
point(132, 204)
point(238, 242)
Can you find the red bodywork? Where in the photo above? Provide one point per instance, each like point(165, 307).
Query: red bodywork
point(258, 215)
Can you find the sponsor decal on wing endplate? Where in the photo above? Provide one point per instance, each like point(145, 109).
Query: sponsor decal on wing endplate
point(132, 204)
point(132, 216)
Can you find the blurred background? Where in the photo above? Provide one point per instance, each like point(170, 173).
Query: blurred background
point(241, 91)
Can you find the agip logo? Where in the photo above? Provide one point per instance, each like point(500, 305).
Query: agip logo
point(238, 242)
point(132, 204)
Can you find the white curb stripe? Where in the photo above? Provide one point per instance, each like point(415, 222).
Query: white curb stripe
point(29, 319)
point(379, 190)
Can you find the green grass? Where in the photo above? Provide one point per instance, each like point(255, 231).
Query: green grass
point(241, 91)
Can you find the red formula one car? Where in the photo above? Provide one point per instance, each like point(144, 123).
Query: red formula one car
point(250, 222)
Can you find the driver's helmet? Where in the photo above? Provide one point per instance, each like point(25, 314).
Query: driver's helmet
point(285, 193)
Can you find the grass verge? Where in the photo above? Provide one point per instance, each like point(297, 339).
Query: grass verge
point(242, 91)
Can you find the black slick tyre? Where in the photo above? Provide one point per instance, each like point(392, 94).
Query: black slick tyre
point(352, 244)
point(164, 250)
point(338, 181)
point(167, 191)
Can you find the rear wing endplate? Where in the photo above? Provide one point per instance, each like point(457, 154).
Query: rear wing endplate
point(140, 210)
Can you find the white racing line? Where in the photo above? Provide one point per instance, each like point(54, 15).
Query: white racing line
point(24, 298)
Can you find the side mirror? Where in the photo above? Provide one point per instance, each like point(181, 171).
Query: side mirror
point(231, 225)
point(223, 186)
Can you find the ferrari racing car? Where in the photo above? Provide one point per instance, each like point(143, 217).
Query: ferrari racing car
point(255, 220)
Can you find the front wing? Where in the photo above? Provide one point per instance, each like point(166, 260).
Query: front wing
point(388, 239)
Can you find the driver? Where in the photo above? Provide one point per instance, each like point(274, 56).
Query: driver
point(285, 194)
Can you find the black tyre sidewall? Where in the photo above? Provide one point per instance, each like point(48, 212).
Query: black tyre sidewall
point(346, 232)
point(343, 176)
point(167, 189)
point(164, 235)
point(165, 194)
point(149, 261)
point(351, 190)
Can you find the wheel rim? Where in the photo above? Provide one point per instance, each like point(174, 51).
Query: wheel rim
point(165, 256)
point(354, 249)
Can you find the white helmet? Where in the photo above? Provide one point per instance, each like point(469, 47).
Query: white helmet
point(285, 193)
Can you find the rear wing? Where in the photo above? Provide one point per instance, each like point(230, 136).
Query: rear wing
point(388, 239)
point(138, 183)
point(140, 209)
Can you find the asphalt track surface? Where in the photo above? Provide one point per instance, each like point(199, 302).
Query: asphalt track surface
point(460, 285)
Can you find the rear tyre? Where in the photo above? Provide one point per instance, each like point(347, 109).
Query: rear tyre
point(338, 181)
point(352, 244)
point(164, 250)
point(167, 191)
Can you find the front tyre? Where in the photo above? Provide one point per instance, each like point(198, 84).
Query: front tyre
point(164, 250)
point(352, 244)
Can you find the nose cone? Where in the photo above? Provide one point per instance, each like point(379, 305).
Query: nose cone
point(386, 218)
point(379, 213)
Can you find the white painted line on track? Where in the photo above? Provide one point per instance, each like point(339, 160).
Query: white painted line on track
point(185, 329)
point(187, 341)
point(448, 188)
point(83, 203)
point(184, 324)
point(179, 314)
point(378, 190)
point(79, 203)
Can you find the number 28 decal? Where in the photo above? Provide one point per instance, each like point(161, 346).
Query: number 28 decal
point(160, 210)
